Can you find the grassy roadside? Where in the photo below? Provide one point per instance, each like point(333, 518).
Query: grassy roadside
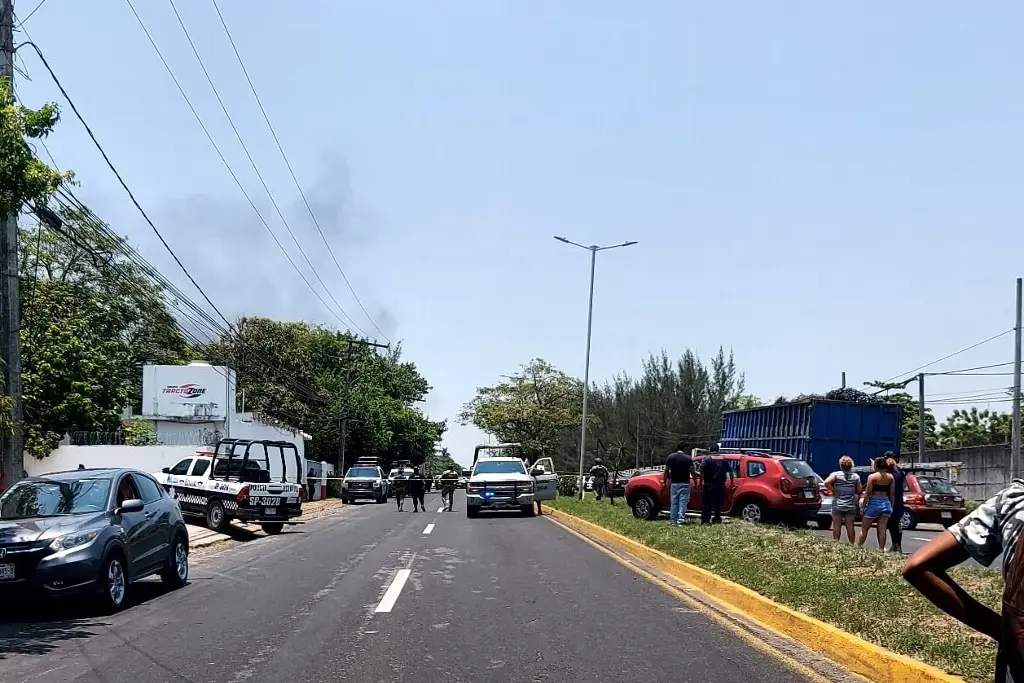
point(859, 591)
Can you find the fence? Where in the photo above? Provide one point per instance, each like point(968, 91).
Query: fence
point(194, 437)
point(985, 470)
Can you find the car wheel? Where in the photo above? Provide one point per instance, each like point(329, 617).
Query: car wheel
point(527, 510)
point(272, 528)
point(175, 574)
point(644, 507)
point(824, 523)
point(907, 521)
point(216, 518)
point(114, 579)
point(346, 501)
point(471, 511)
point(751, 511)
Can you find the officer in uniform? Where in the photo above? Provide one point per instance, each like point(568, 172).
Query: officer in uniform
point(600, 474)
point(449, 479)
point(400, 485)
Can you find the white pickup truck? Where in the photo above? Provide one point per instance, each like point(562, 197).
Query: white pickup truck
point(255, 481)
point(503, 483)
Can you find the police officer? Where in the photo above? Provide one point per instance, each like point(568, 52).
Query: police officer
point(449, 479)
point(417, 488)
point(600, 474)
point(400, 485)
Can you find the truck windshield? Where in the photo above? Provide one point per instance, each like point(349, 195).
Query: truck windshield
point(362, 472)
point(503, 467)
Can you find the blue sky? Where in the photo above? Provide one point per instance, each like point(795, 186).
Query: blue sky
point(820, 188)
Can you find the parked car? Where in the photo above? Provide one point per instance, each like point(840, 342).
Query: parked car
point(928, 497)
point(90, 532)
point(617, 485)
point(767, 487)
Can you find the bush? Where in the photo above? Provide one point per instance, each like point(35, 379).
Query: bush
point(567, 486)
point(334, 489)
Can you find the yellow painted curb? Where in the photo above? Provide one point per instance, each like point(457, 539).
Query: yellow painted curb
point(855, 654)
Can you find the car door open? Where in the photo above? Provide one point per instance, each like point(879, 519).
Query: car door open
point(545, 485)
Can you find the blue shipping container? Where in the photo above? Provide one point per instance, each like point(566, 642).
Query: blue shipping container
point(817, 431)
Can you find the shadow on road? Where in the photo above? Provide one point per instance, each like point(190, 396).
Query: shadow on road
point(37, 627)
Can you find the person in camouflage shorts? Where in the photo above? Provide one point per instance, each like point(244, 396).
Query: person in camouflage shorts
point(401, 488)
point(449, 479)
point(988, 533)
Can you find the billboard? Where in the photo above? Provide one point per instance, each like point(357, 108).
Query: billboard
point(197, 391)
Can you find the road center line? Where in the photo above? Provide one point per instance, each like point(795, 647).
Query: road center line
point(393, 591)
point(430, 527)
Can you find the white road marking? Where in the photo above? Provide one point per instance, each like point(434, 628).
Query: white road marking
point(430, 527)
point(918, 538)
point(394, 590)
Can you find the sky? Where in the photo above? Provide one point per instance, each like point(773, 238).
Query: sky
point(820, 188)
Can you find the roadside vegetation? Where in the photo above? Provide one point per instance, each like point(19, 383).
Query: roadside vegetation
point(859, 591)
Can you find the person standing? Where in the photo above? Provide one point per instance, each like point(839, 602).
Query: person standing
point(877, 503)
point(449, 479)
point(600, 474)
point(416, 490)
point(678, 469)
point(400, 485)
point(713, 473)
point(846, 489)
point(896, 519)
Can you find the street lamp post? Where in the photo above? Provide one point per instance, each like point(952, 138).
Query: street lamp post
point(593, 249)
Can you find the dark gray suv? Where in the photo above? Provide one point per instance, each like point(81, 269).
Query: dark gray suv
point(90, 532)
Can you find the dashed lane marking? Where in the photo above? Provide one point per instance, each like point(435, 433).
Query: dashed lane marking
point(387, 603)
point(430, 527)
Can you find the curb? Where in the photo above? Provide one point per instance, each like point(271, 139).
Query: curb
point(856, 654)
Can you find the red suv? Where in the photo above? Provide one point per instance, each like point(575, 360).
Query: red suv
point(767, 487)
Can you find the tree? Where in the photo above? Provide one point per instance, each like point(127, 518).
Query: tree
point(975, 428)
point(535, 407)
point(909, 411)
point(24, 180)
point(304, 376)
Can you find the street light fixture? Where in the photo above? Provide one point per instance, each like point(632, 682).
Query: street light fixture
point(593, 249)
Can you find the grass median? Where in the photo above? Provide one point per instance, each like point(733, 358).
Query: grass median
point(858, 590)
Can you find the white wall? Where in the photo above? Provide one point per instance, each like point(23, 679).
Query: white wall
point(145, 458)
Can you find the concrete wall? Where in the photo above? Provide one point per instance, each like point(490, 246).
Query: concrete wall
point(985, 470)
point(146, 458)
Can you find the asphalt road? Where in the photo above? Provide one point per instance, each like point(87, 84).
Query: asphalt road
point(377, 595)
point(912, 540)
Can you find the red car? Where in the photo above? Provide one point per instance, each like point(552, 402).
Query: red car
point(767, 487)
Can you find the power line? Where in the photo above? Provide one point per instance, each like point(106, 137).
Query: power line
point(121, 180)
point(220, 154)
point(947, 357)
point(29, 15)
point(255, 168)
point(298, 186)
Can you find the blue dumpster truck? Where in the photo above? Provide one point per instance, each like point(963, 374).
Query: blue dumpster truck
point(817, 431)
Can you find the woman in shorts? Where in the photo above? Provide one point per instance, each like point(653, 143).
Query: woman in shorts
point(877, 502)
point(846, 490)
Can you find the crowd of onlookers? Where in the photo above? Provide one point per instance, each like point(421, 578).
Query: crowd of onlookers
point(879, 501)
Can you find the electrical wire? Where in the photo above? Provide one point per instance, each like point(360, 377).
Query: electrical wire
point(955, 353)
point(298, 186)
point(29, 15)
point(255, 168)
point(227, 165)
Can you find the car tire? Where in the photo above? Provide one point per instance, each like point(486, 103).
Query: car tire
point(216, 518)
point(946, 523)
point(114, 582)
point(908, 522)
point(471, 512)
point(645, 507)
point(346, 501)
point(272, 528)
point(824, 523)
point(527, 510)
point(175, 574)
point(751, 511)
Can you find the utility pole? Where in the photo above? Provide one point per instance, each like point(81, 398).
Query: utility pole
point(1015, 463)
point(343, 417)
point(638, 440)
point(844, 380)
point(11, 452)
point(920, 418)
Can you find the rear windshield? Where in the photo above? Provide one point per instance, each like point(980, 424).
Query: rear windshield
point(362, 472)
point(797, 468)
point(503, 467)
point(936, 485)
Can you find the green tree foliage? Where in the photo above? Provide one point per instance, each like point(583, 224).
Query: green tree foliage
point(534, 407)
point(90, 319)
point(975, 428)
point(303, 376)
point(895, 393)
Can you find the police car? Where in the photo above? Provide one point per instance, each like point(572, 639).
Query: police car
point(258, 482)
point(502, 482)
point(365, 481)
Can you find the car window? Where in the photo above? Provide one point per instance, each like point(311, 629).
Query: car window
point(49, 498)
point(734, 465)
point(181, 468)
point(150, 490)
point(126, 490)
point(797, 468)
point(200, 467)
point(500, 467)
point(936, 485)
point(755, 468)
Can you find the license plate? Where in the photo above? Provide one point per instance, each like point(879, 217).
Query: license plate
point(6, 572)
point(809, 494)
point(946, 515)
point(269, 511)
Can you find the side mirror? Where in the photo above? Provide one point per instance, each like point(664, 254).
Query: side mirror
point(131, 505)
point(166, 470)
point(537, 471)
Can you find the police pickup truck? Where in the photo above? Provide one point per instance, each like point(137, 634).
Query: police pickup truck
point(502, 482)
point(365, 481)
point(258, 482)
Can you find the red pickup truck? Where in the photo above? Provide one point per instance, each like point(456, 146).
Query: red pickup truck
point(767, 487)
